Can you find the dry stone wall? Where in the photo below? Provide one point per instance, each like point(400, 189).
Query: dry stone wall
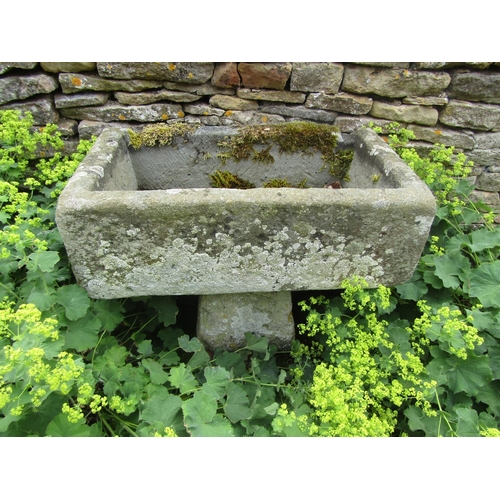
point(457, 104)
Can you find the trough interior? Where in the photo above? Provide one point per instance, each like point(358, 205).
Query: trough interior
point(189, 162)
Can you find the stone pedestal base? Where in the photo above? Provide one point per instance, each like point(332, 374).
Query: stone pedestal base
point(224, 319)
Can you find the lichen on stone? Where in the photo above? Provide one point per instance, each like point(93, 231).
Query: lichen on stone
point(159, 133)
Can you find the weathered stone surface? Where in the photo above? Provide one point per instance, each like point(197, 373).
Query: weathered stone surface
point(42, 109)
point(186, 72)
point(154, 96)
point(67, 127)
point(427, 101)
point(13, 88)
point(393, 82)
point(81, 99)
point(394, 65)
point(7, 66)
point(203, 89)
point(88, 128)
point(226, 75)
point(473, 86)
point(212, 121)
point(232, 118)
point(435, 65)
point(265, 75)
point(224, 319)
point(464, 114)
point(316, 77)
point(489, 198)
point(203, 109)
point(233, 103)
point(488, 181)
point(484, 157)
point(68, 67)
point(115, 112)
point(342, 103)
point(76, 82)
point(446, 136)
point(124, 240)
point(349, 124)
point(300, 112)
point(423, 115)
point(485, 140)
point(70, 146)
point(272, 95)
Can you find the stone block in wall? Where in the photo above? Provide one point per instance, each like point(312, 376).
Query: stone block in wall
point(233, 103)
point(489, 198)
point(201, 90)
point(272, 95)
point(68, 67)
point(265, 75)
point(448, 137)
point(89, 128)
point(316, 77)
point(464, 114)
point(475, 86)
point(226, 75)
point(427, 101)
point(115, 112)
point(42, 109)
point(232, 118)
point(485, 157)
point(342, 103)
point(487, 140)
point(15, 88)
point(422, 115)
point(7, 66)
point(67, 127)
point(394, 65)
point(393, 82)
point(81, 99)
point(210, 120)
point(488, 181)
point(203, 110)
point(349, 124)
point(185, 72)
point(445, 65)
point(136, 98)
point(299, 112)
point(77, 82)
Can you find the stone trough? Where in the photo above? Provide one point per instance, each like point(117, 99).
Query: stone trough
point(147, 222)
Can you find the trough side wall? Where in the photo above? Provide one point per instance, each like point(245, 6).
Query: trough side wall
point(456, 104)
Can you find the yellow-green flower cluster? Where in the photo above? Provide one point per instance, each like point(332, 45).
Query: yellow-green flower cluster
point(367, 376)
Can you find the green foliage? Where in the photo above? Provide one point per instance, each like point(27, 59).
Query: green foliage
point(425, 360)
point(421, 359)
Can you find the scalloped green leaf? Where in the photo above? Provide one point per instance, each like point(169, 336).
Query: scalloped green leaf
point(75, 301)
point(485, 283)
point(182, 378)
point(468, 375)
point(156, 372)
point(201, 418)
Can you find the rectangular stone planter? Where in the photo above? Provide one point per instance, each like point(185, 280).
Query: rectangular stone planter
point(146, 222)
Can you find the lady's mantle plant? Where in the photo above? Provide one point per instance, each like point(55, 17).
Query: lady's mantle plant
point(420, 359)
point(423, 358)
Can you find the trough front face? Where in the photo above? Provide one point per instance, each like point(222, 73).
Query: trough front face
point(147, 222)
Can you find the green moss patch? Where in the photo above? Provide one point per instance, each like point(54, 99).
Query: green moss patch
point(291, 137)
point(160, 134)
